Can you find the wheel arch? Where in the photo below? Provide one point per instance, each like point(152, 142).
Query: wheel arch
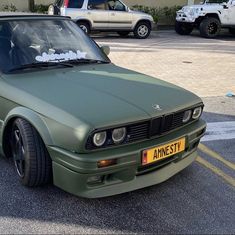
point(84, 20)
point(33, 118)
point(213, 15)
point(209, 15)
point(143, 21)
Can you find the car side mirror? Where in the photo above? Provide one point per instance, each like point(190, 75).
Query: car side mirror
point(105, 49)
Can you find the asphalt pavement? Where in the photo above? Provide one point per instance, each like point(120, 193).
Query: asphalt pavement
point(198, 200)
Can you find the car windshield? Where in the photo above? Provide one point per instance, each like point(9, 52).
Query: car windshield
point(215, 1)
point(45, 42)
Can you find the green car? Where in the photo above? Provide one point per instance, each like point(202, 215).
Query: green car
point(69, 115)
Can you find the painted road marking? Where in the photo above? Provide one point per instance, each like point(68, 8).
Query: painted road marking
point(216, 170)
point(215, 155)
point(219, 131)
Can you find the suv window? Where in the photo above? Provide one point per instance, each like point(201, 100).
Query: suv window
point(97, 5)
point(115, 5)
point(75, 3)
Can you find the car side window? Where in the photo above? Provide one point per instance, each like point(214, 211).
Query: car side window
point(75, 3)
point(115, 5)
point(97, 5)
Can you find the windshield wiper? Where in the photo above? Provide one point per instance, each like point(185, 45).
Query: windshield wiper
point(87, 61)
point(40, 65)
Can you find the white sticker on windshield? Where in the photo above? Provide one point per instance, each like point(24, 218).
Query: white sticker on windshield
point(45, 57)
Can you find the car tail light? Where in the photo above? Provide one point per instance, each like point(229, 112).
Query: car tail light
point(66, 3)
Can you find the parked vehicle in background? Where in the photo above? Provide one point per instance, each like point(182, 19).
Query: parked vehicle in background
point(104, 15)
point(208, 17)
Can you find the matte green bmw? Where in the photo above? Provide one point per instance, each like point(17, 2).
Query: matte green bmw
point(68, 114)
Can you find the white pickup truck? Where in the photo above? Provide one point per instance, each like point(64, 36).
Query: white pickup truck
point(209, 17)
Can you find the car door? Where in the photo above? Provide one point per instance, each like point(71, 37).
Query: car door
point(119, 16)
point(98, 14)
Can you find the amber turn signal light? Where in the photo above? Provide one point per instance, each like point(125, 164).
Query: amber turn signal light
point(106, 163)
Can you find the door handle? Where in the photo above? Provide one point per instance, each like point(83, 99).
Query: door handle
point(88, 13)
point(112, 14)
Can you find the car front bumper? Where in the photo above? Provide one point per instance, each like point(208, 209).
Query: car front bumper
point(182, 17)
point(73, 172)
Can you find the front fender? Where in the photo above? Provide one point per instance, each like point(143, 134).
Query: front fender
point(52, 132)
point(33, 118)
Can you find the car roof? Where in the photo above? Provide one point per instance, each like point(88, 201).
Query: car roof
point(28, 15)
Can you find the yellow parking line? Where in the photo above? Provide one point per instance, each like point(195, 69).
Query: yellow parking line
point(216, 170)
point(215, 155)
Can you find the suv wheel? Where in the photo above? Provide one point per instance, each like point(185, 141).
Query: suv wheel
point(142, 30)
point(32, 161)
point(210, 27)
point(123, 33)
point(183, 28)
point(232, 31)
point(84, 26)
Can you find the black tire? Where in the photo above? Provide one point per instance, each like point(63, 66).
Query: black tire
point(142, 30)
point(84, 26)
point(232, 31)
point(31, 159)
point(123, 33)
point(183, 28)
point(210, 27)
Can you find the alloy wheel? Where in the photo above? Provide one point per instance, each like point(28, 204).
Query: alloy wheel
point(18, 151)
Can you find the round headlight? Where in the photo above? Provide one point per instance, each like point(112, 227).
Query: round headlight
point(99, 138)
point(187, 116)
point(119, 135)
point(197, 112)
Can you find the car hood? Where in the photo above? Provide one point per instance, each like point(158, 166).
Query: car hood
point(205, 7)
point(99, 95)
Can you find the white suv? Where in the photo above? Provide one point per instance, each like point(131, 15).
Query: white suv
point(208, 17)
point(104, 15)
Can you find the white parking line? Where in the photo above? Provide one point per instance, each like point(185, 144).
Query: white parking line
point(220, 131)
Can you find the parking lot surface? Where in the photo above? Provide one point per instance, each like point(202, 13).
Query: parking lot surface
point(200, 199)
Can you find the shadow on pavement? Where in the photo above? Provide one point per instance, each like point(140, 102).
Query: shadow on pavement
point(168, 40)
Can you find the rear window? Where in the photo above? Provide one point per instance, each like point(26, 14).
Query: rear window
point(75, 3)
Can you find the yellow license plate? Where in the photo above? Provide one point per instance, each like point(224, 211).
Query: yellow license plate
point(161, 152)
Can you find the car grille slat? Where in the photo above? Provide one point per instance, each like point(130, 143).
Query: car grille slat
point(138, 132)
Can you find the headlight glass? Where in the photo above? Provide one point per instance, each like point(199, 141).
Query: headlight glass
point(187, 116)
point(119, 135)
point(99, 138)
point(197, 112)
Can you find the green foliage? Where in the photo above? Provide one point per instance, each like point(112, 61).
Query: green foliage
point(40, 8)
point(164, 15)
point(10, 7)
